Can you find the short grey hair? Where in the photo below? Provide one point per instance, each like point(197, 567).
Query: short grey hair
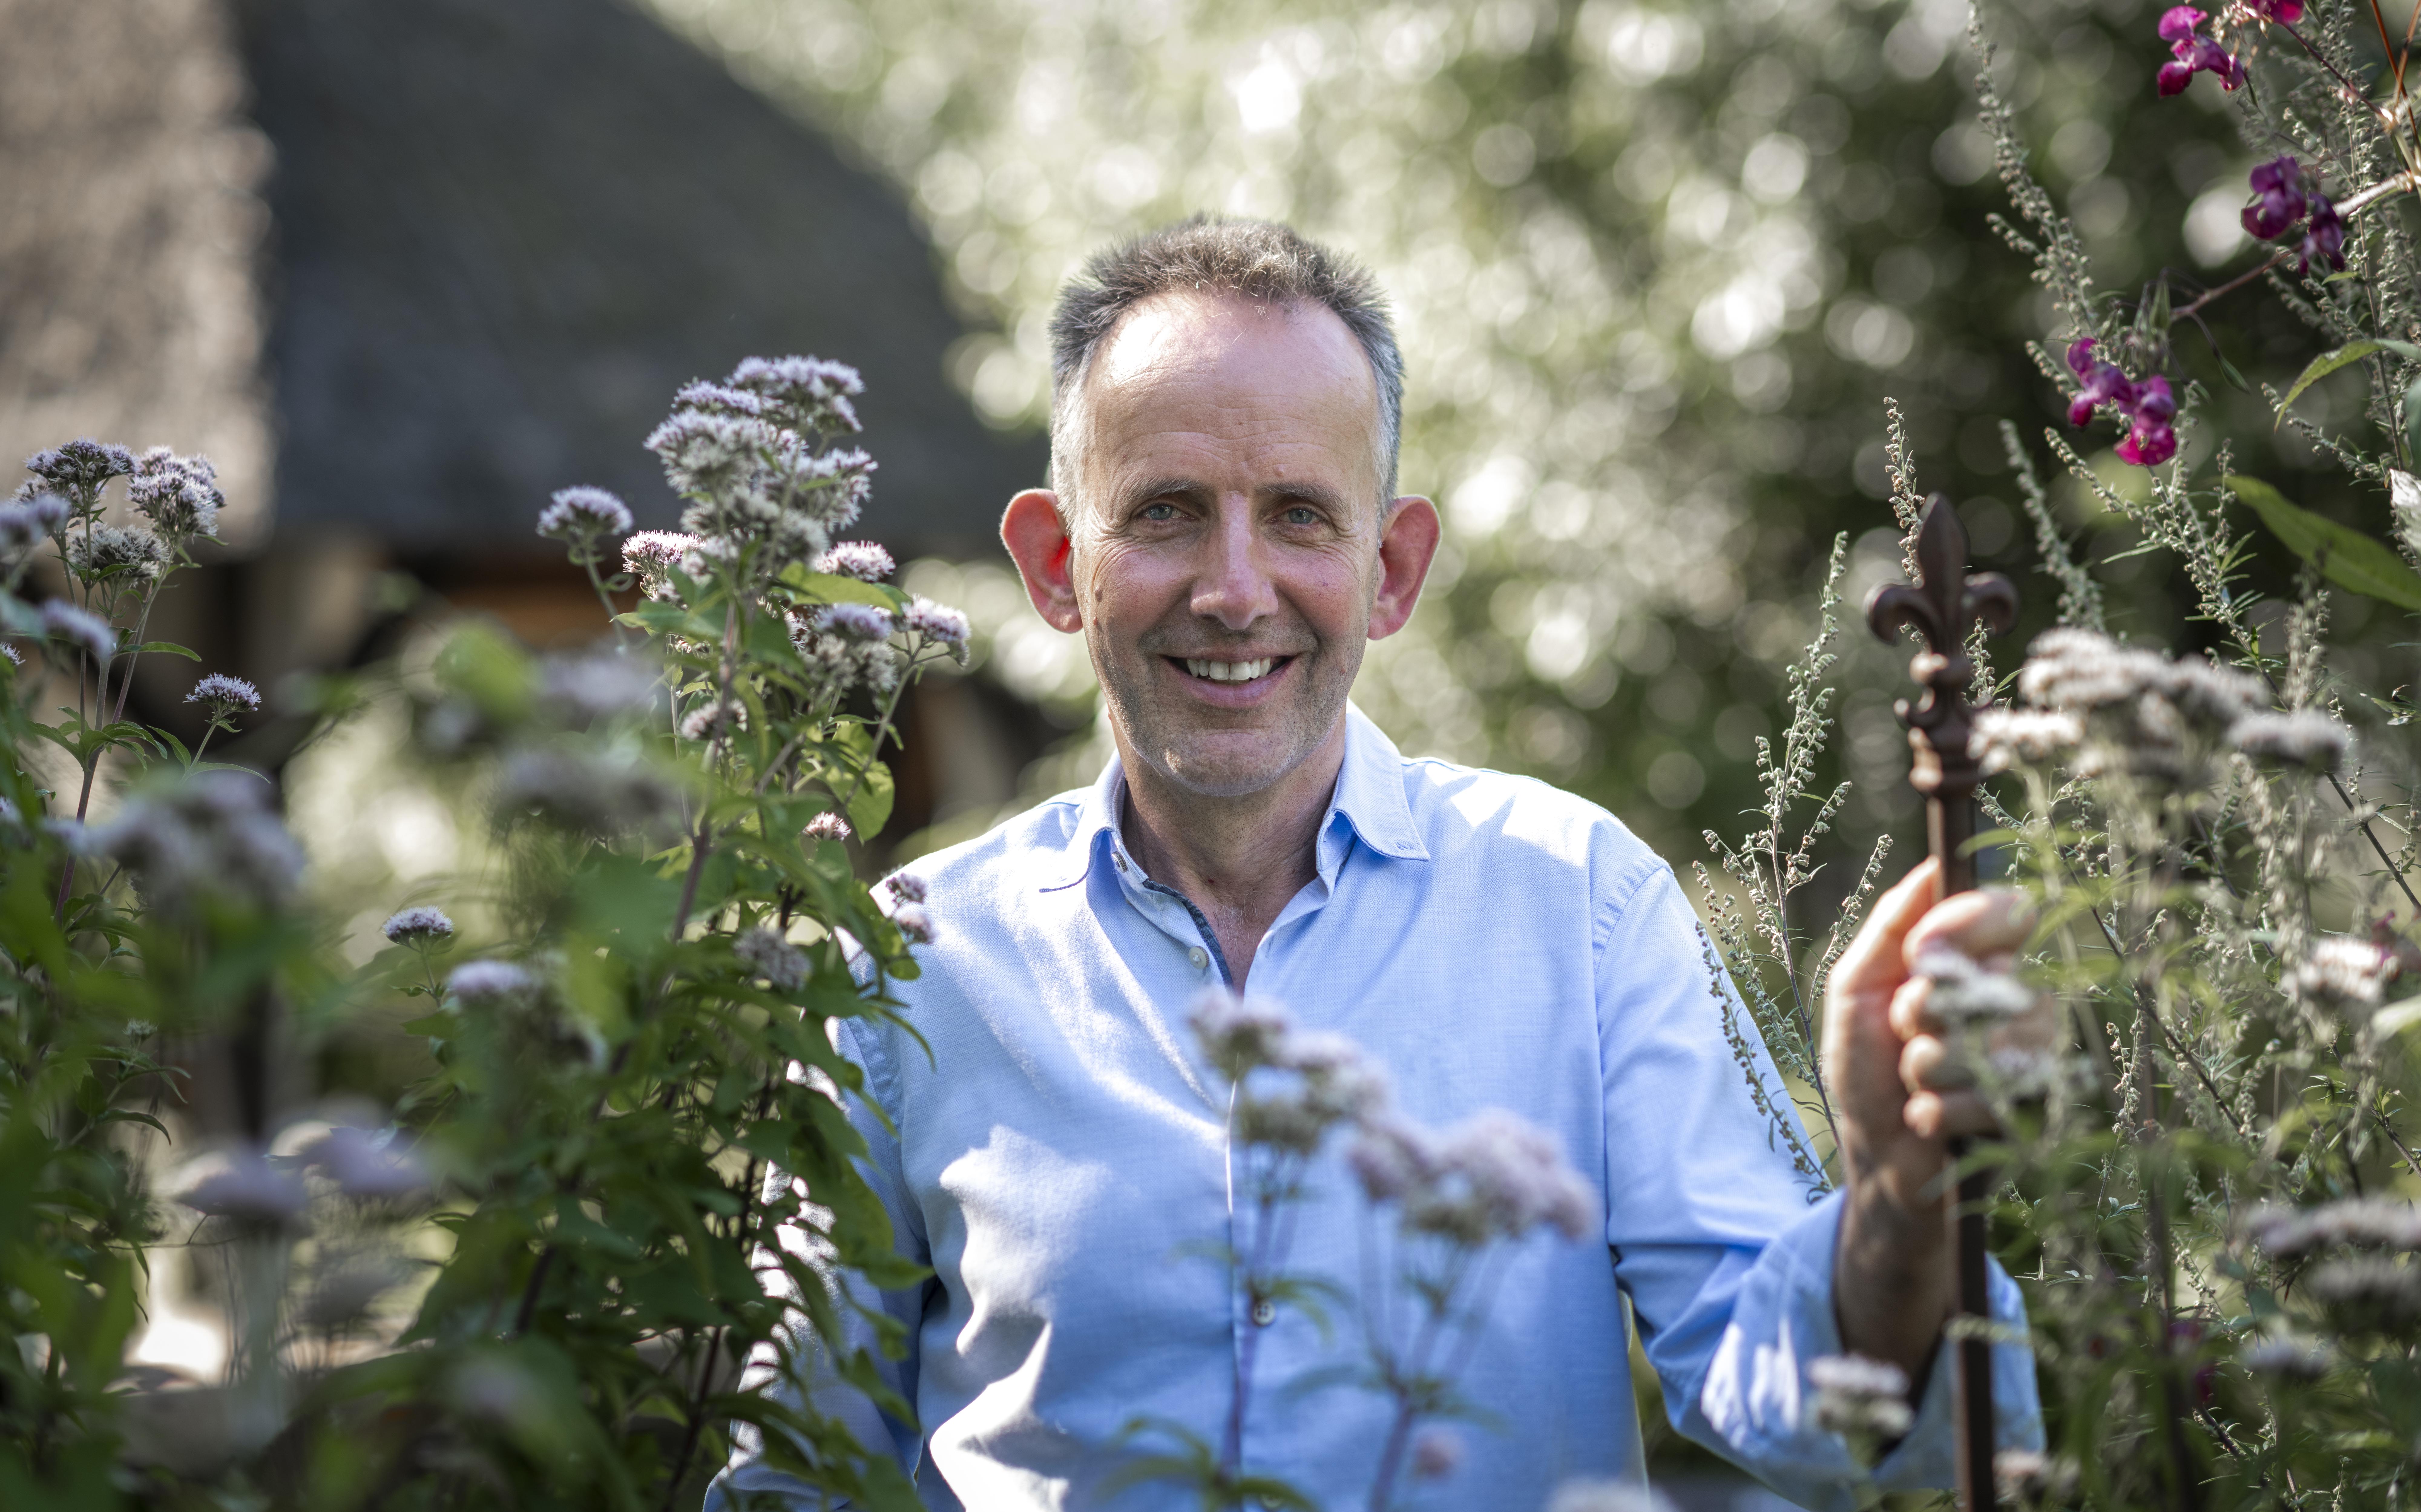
point(1262, 260)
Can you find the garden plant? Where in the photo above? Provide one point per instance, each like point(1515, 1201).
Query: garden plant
point(2208, 1197)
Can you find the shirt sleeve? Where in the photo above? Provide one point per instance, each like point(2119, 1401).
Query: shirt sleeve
point(1723, 1247)
point(799, 1367)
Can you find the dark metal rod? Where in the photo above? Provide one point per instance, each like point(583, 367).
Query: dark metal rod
point(1950, 826)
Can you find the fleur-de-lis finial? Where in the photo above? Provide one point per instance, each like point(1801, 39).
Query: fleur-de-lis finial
point(1941, 606)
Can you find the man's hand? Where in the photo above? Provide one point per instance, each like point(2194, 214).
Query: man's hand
point(1900, 1093)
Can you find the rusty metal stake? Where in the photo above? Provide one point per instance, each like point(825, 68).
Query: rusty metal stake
point(1942, 606)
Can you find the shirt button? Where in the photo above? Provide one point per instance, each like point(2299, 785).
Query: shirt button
point(1199, 957)
point(1119, 861)
point(1265, 1312)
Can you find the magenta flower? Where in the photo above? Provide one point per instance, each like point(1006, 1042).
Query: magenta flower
point(2277, 198)
point(2194, 53)
point(2148, 407)
point(2104, 384)
point(2285, 12)
point(2152, 441)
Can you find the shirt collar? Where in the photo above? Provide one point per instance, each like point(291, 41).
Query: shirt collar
point(1369, 801)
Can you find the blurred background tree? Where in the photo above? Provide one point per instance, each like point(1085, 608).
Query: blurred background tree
point(1658, 268)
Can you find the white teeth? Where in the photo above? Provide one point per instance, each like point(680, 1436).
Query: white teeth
point(1230, 671)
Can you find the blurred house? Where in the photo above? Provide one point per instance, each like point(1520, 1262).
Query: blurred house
point(404, 267)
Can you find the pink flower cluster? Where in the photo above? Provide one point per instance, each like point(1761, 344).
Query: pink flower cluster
point(2282, 194)
point(2148, 407)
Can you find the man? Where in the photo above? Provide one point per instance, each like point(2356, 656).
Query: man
point(1224, 533)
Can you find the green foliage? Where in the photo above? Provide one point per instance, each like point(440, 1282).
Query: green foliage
point(539, 1287)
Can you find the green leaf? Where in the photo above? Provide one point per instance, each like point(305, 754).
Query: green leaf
point(2328, 362)
point(169, 647)
point(2346, 557)
point(871, 807)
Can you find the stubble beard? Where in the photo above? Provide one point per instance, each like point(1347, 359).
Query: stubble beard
point(1221, 755)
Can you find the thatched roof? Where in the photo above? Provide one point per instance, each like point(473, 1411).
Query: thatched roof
point(505, 233)
point(129, 235)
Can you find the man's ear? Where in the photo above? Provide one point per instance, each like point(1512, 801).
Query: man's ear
point(1037, 542)
point(1407, 544)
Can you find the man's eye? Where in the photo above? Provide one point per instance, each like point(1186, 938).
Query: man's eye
point(1158, 512)
point(1303, 515)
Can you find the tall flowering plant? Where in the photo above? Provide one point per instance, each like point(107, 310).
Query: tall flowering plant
point(2209, 1194)
point(533, 1282)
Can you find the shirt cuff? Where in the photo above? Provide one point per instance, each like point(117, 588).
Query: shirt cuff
point(1755, 1394)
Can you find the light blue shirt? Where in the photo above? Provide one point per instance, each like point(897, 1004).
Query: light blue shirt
point(1062, 1163)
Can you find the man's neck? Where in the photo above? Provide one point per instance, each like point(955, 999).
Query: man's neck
point(1239, 859)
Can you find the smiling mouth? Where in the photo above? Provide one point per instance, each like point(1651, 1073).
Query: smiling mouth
point(1210, 671)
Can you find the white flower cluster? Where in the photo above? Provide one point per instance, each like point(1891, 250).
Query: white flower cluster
point(26, 522)
point(2359, 1222)
point(81, 469)
point(2137, 711)
point(1858, 1397)
point(417, 928)
point(1966, 996)
point(847, 651)
point(213, 835)
point(653, 554)
point(2294, 1356)
point(2026, 1479)
point(223, 696)
point(180, 495)
point(62, 620)
point(243, 1186)
point(583, 518)
point(2368, 1290)
point(2003, 738)
point(600, 684)
point(782, 964)
point(939, 623)
point(1494, 1175)
point(2344, 972)
point(2298, 737)
point(823, 827)
point(914, 924)
point(490, 984)
point(861, 559)
point(709, 719)
point(906, 886)
point(744, 453)
point(102, 553)
point(368, 1165)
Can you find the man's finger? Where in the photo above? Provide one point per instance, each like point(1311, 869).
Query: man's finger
point(1927, 1065)
point(1874, 962)
point(1944, 1114)
point(1981, 923)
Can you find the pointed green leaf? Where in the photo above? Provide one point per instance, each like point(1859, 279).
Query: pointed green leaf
point(2328, 362)
point(169, 647)
point(2347, 558)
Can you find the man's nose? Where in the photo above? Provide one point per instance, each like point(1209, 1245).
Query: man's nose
point(1233, 586)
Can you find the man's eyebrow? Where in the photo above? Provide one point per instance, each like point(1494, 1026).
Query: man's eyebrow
point(1170, 486)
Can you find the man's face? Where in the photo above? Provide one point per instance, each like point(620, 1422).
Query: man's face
point(1225, 538)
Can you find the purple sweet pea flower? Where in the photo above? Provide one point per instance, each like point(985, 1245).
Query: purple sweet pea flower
point(2286, 12)
point(2103, 383)
point(2278, 200)
point(2194, 53)
point(2153, 440)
